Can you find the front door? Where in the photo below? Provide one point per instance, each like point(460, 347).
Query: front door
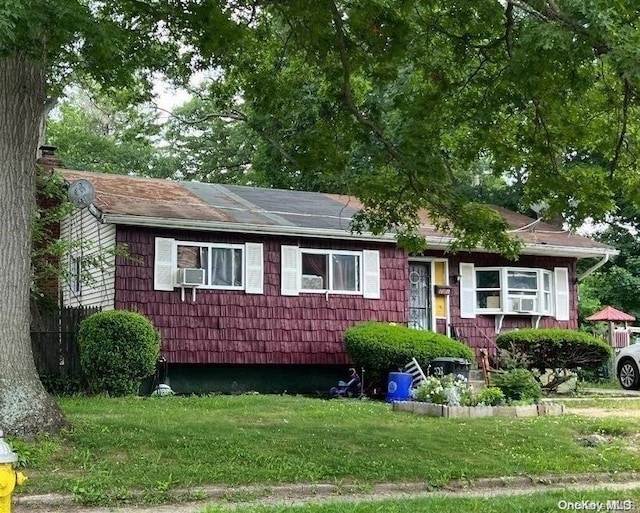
point(420, 296)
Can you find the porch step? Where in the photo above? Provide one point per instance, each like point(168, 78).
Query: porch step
point(476, 379)
point(476, 375)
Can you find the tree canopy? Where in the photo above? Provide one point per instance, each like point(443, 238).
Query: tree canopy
point(403, 103)
point(397, 101)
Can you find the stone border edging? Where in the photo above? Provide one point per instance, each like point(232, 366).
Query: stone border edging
point(263, 494)
point(449, 412)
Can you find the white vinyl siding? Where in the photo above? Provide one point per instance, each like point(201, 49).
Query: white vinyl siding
point(89, 242)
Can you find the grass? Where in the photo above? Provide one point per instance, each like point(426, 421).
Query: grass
point(612, 403)
point(529, 503)
point(144, 449)
point(611, 384)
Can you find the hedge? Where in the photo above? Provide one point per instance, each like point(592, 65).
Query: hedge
point(380, 347)
point(118, 349)
point(557, 348)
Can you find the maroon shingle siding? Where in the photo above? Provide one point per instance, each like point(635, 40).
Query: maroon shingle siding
point(480, 331)
point(231, 327)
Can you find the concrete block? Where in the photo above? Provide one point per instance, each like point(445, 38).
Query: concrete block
point(406, 406)
point(527, 411)
point(480, 411)
point(421, 408)
point(554, 409)
point(504, 411)
point(457, 411)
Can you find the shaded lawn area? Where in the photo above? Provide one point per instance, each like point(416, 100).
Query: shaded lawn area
point(610, 403)
point(154, 445)
point(530, 503)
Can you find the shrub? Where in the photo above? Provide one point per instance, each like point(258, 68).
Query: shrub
point(117, 350)
point(556, 348)
point(490, 396)
point(518, 385)
point(382, 347)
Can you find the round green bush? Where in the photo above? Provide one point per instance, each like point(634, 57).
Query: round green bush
point(490, 396)
point(381, 347)
point(556, 348)
point(118, 349)
point(518, 385)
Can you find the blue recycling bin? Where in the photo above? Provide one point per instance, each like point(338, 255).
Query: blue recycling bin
point(399, 386)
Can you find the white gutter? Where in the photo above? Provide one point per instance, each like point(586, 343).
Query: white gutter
point(595, 267)
point(438, 242)
point(221, 226)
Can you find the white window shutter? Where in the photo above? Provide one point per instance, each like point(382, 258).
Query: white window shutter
point(371, 274)
point(254, 268)
point(164, 264)
point(562, 293)
point(289, 271)
point(467, 291)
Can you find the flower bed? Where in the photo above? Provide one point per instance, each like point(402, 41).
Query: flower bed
point(442, 410)
point(451, 396)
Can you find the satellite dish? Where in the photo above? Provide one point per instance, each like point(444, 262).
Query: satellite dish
point(81, 193)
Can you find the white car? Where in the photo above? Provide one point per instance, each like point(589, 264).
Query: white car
point(626, 366)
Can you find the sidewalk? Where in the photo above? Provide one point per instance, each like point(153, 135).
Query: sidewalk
point(298, 494)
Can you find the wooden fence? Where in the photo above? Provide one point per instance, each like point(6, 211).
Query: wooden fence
point(54, 340)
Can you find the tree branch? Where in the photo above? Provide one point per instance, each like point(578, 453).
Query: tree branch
point(508, 27)
point(548, 138)
point(623, 129)
point(346, 86)
point(550, 12)
point(233, 115)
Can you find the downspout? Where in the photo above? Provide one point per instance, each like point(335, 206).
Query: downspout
point(595, 267)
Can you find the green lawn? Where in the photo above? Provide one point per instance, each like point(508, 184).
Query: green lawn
point(530, 503)
point(157, 445)
point(610, 403)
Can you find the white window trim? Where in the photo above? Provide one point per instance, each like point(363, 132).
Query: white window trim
point(331, 253)
point(210, 246)
point(505, 296)
point(165, 265)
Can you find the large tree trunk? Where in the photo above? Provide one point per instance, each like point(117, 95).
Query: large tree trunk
point(25, 407)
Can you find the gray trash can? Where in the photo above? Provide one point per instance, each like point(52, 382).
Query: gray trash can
point(448, 365)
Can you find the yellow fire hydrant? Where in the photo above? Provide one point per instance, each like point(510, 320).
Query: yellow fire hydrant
point(9, 478)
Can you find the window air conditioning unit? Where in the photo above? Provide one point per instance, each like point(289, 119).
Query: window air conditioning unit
point(526, 304)
point(191, 277)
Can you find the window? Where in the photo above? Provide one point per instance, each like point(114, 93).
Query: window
point(222, 264)
point(488, 290)
point(511, 290)
point(332, 271)
point(208, 265)
point(75, 275)
point(515, 291)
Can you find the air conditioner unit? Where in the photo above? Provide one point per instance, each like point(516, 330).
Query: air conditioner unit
point(191, 277)
point(526, 304)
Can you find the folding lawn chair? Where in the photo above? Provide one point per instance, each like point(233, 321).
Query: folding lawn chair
point(413, 368)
